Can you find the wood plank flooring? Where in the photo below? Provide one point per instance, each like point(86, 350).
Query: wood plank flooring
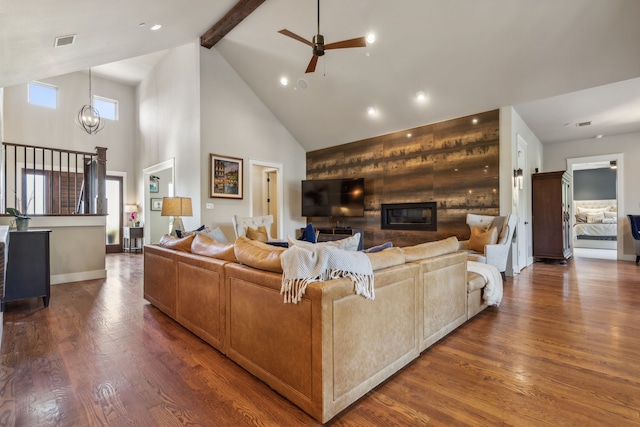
point(563, 349)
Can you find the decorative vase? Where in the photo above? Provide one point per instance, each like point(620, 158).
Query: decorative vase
point(22, 223)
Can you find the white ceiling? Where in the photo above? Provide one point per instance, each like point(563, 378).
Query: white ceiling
point(557, 62)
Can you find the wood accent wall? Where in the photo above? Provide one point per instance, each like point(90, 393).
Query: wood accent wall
point(455, 163)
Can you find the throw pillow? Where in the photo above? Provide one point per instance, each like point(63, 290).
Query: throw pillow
point(378, 248)
point(205, 245)
point(260, 234)
point(258, 255)
point(611, 215)
point(581, 218)
point(348, 244)
point(308, 234)
point(480, 238)
point(215, 234)
point(179, 244)
point(183, 233)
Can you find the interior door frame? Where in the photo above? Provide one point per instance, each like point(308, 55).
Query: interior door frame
point(117, 247)
point(279, 206)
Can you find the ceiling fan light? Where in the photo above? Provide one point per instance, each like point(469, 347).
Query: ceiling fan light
point(370, 38)
point(284, 81)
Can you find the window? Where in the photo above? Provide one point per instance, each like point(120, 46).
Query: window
point(107, 108)
point(43, 94)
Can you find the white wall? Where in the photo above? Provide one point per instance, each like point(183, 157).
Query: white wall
point(168, 102)
point(512, 125)
point(35, 125)
point(236, 123)
point(556, 155)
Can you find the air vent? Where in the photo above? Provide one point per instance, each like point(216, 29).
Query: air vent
point(64, 40)
point(583, 124)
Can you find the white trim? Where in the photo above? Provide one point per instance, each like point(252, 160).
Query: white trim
point(167, 164)
point(619, 158)
point(57, 279)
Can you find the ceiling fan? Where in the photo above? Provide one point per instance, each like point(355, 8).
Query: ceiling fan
point(317, 43)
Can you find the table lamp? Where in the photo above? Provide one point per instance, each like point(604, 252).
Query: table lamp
point(176, 207)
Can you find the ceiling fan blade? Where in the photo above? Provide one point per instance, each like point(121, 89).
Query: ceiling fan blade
point(295, 36)
point(312, 64)
point(358, 42)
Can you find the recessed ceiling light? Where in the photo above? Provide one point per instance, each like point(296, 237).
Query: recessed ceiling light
point(142, 24)
point(409, 135)
point(421, 96)
point(303, 84)
point(156, 27)
point(372, 111)
point(474, 121)
point(284, 81)
point(370, 38)
point(599, 136)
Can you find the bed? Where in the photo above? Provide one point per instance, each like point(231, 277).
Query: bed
point(595, 224)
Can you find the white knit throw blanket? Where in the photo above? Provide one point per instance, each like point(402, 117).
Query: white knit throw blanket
point(302, 265)
point(492, 293)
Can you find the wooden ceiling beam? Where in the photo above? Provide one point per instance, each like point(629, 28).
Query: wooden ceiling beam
point(236, 15)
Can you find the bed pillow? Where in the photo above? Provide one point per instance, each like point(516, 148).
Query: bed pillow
point(581, 218)
point(480, 238)
point(595, 218)
point(611, 215)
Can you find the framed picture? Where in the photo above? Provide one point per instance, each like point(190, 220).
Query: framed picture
point(153, 183)
point(225, 177)
point(156, 204)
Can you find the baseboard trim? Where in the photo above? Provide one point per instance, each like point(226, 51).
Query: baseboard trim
point(78, 277)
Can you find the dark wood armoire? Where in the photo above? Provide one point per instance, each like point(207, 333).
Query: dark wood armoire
point(551, 215)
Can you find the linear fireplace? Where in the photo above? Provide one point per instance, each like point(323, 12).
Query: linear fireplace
point(409, 216)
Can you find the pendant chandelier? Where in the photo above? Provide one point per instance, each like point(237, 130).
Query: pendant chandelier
point(88, 117)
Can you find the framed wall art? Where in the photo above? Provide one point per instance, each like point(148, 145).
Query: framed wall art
point(225, 177)
point(156, 204)
point(153, 184)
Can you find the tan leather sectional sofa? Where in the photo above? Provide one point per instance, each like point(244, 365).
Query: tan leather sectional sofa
point(332, 347)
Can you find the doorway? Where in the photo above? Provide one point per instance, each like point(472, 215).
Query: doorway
point(265, 193)
point(114, 214)
point(159, 182)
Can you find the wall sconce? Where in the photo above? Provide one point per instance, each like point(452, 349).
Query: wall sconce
point(518, 179)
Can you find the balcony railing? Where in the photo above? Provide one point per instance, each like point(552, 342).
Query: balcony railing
point(50, 181)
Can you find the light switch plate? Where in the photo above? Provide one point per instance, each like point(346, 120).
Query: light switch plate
point(209, 205)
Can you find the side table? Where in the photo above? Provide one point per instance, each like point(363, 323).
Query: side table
point(132, 239)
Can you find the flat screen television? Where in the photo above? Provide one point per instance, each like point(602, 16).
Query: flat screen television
point(333, 197)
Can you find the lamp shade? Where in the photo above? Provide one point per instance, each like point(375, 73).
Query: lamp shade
point(130, 208)
point(176, 206)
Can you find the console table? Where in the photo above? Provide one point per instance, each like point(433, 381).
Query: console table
point(132, 239)
point(28, 266)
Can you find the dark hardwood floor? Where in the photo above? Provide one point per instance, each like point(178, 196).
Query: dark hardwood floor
point(563, 349)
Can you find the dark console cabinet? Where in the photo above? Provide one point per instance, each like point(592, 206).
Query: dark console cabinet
point(28, 268)
point(551, 215)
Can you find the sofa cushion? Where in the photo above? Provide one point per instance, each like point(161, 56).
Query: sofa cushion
point(348, 244)
point(177, 243)
point(258, 254)
point(480, 238)
point(387, 258)
point(260, 234)
point(430, 249)
point(205, 245)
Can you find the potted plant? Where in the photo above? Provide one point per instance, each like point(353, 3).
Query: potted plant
point(22, 221)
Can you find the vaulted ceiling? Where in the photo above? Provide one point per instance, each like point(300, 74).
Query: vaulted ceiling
point(465, 56)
